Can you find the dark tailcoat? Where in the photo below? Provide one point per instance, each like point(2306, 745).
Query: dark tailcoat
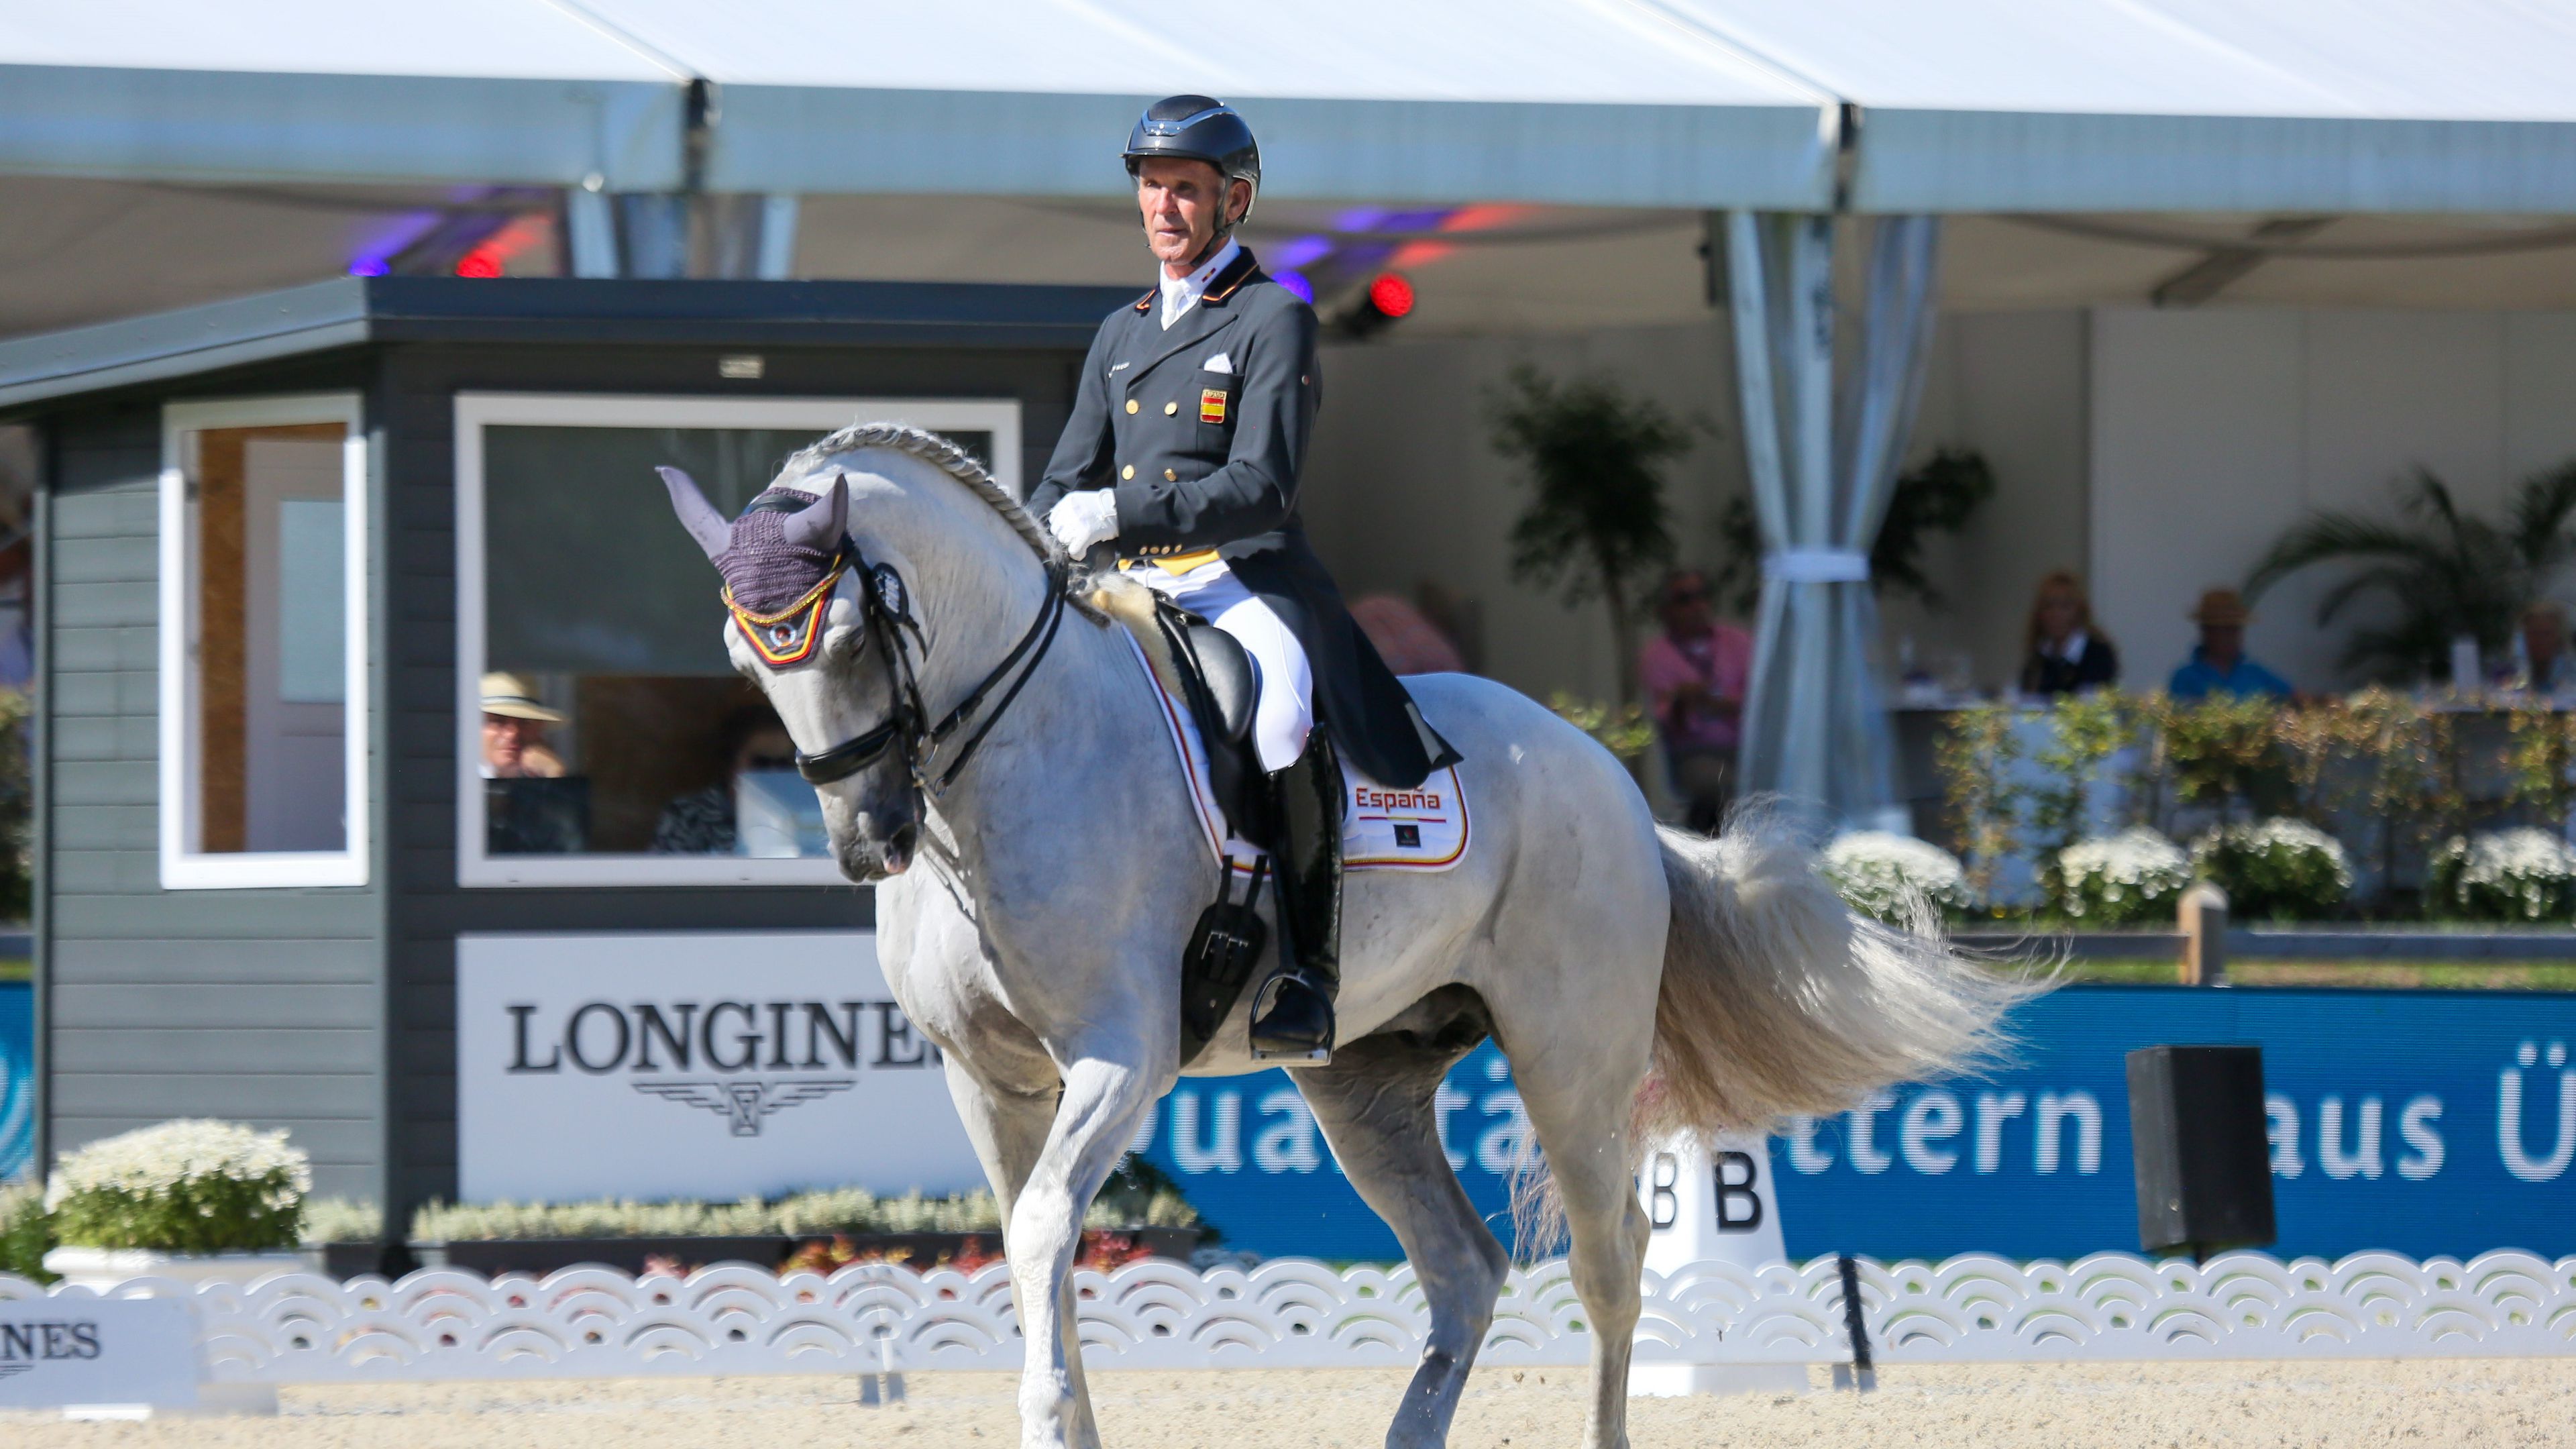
point(1203, 459)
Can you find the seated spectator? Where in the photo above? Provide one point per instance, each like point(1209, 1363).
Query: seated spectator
point(514, 731)
point(1694, 675)
point(2219, 665)
point(531, 806)
point(1404, 636)
point(2544, 640)
point(706, 822)
point(2064, 653)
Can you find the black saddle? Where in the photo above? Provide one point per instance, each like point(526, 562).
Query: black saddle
point(1221, 685)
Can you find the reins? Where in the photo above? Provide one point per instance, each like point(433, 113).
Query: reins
point(888, 613)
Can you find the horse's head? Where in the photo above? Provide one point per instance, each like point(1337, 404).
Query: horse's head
point(806, 627)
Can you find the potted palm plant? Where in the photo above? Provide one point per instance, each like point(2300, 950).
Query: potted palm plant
point(193, 1200)
point(2444, 572)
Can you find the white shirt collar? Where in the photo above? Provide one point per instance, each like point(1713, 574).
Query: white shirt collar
point(1180, 294)
point(2072, 650)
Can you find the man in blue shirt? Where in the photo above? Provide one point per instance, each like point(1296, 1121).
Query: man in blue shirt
point(2219, 665)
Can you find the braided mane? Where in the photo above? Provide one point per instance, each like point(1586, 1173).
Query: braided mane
point(942, 454)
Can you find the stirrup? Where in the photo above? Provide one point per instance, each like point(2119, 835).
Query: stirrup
point(1267, 998)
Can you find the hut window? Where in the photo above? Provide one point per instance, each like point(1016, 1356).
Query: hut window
point(263, 674)
point(603, 737)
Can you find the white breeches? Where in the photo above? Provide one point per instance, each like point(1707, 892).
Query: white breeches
point(1284, 709)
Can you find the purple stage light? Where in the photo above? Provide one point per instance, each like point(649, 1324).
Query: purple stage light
point(1302, 251)
point(1297, 283)
point(369, 267)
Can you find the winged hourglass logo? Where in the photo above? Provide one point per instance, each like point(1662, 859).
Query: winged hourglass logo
point(747, 1103)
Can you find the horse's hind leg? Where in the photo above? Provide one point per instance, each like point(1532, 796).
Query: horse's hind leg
point(1374, 1103)
point(1579, 1092)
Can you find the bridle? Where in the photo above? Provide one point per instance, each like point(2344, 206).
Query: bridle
point(791, 635)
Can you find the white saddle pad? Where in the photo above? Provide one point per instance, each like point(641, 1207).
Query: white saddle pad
point(1424, 828)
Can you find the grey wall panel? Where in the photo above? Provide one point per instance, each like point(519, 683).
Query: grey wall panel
point(244, 916)
point(91, 825)
point(261, 1006)
point(185, 1049)
point(101, 782)
point(160, 961)
point(215, 1006)
point(104, 737)
point(274, 1096)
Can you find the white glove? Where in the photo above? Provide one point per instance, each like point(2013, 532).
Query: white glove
point(1083, 520)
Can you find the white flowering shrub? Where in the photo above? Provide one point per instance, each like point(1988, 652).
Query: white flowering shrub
point(2504, 875)
point(2118, 880)
point(2275, 870)
point(1878, 872)
point(342, 1220)
point(190, 1186)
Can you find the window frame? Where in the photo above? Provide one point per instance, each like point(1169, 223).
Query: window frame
point(476, 867)
point(183, 866)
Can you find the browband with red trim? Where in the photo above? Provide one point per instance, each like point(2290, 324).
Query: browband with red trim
point(789, 635)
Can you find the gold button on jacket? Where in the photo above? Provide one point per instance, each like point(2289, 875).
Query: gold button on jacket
point(1131, 405)
point(1127, 472)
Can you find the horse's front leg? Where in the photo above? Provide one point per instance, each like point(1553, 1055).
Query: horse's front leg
point(1094, 1120)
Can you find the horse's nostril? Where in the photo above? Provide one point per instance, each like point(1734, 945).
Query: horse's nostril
point(898, 847)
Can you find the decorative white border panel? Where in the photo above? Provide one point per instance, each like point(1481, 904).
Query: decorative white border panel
point(1291, 1313)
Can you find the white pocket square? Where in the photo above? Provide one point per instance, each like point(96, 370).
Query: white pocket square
point(1218, 363)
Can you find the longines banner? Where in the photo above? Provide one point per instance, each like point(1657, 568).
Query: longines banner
point(684, 1065)
point(64, 1351)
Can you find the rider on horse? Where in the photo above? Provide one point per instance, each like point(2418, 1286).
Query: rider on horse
point(1185, 447)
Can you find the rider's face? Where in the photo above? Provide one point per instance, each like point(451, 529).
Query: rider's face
point(1179, 200)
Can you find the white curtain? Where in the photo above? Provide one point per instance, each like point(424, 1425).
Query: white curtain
point(1822, 448)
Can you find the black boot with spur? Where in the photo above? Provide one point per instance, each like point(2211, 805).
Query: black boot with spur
point(1292, 1013)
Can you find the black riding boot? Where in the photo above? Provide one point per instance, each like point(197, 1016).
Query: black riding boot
point(1292, 1013)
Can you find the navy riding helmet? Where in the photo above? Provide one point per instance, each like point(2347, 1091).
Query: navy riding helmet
point(1198, 128)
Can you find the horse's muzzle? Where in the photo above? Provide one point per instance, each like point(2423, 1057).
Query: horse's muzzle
point(895, 856)
point(869, 855)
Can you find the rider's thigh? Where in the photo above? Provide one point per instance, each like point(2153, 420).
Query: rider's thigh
point(1285, 710)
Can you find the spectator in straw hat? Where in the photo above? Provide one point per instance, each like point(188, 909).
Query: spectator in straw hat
point(2219, 665)
point(514, 730)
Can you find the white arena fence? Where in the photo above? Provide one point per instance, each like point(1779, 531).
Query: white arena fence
point(445, 1324)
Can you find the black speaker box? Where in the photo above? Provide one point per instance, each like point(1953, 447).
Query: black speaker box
point(2204, 1160)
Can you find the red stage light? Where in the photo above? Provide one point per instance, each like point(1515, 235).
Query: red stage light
point(1391, 294)
point(478, 263)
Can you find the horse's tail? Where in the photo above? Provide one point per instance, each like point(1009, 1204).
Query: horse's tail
point(1778, 999)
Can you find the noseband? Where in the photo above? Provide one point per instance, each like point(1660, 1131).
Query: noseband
point(791, 635)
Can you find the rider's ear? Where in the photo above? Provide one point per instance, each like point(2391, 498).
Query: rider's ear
point(697, 515)
point(820, 524)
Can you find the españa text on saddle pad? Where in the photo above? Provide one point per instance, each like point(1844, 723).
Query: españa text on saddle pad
point(1424, 828)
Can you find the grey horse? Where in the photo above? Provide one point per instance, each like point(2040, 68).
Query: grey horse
point(1033, 907)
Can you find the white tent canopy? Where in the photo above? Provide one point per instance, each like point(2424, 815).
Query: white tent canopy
point(2188, 105)
point(1967, 105)
point(310, 90)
